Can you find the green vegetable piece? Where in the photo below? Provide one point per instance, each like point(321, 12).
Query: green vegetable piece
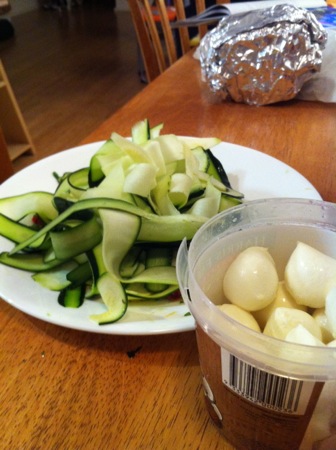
point(112, 229)
point(72, 297)
point(114, 297)
point(74, 241)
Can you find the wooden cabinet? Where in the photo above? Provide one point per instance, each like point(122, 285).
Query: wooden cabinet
point(12, 123)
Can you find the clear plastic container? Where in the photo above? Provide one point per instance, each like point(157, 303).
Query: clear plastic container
point(263, 393)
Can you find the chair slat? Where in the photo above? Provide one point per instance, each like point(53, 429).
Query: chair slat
point(156, 39)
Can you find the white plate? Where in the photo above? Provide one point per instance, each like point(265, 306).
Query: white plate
point(255, 174)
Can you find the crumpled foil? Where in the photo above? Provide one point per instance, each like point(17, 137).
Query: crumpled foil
point(263, 56)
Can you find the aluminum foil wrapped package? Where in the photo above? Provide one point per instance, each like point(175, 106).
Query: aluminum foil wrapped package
point(263, 56)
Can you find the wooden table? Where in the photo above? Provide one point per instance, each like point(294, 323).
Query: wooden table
point(66, 389)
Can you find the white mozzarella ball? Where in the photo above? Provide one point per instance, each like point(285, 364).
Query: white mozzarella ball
point(240, 315)
point(309, 274)
point(251, 281)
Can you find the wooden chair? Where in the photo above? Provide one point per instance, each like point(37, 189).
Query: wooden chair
point(160, 51)
point(6, 168)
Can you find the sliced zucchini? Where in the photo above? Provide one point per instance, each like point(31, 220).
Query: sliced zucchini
point(134, 262)
point(31, 262)
point(216, 169)
point(171, 147)
point(156, 130)
point(139, 291)
point(114, 297)
point(17, 233)
point(71, 186)
point(74, 241)
point(180, 189)
point(97, 267)
point(158, 257)
point(120, 233)
point(72, 297)
point(55, 279)
point(103, 219)
point(204, 142)
point(107, 152)
point(202, 158)
point(79, 275)
point(20, 206)
point(153, 227)
point(141, 132)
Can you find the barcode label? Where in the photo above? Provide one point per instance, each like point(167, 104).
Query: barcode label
point(275, 392)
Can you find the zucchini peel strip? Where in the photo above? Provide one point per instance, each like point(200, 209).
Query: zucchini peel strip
point(111, 230)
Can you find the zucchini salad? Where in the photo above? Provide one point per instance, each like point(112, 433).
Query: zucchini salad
point(110, 231)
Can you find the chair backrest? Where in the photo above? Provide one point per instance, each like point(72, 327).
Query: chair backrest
point(6, 168)
point(156, 39)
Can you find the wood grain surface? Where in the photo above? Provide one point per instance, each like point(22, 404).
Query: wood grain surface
point(299, 133)
point(66, 389)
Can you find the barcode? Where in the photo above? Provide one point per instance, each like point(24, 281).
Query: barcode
point(271, 391)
